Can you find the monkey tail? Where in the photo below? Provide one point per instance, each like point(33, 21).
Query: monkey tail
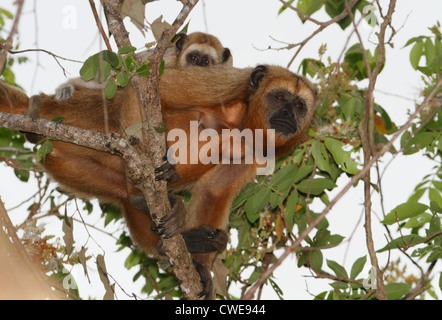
point(12, 99)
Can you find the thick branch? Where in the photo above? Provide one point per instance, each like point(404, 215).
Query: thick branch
point(153, 145)
point(99, 141)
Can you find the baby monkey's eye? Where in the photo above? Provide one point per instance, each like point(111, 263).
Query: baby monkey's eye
point(280, 97)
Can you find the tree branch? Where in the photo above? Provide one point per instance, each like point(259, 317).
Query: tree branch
point(8, 42)
point(322, 26)
point(153, 146)
point(99, 25)
point(367, 139)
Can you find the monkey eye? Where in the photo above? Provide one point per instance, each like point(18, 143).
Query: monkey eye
point(280, 97)
point(299, 104)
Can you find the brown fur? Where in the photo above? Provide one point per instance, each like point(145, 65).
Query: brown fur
point(222, 95)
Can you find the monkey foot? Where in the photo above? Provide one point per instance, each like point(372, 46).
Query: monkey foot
point(172, 223)
point(206, 281)
point(205, 239)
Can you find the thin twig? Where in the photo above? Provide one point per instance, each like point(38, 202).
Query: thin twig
point(322, 26)
point(14, 30)
point(99, 25)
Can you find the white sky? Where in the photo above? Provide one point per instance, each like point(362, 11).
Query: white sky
point(246, 27)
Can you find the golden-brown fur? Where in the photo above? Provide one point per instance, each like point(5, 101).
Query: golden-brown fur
point(218, 97)
point(195, 49)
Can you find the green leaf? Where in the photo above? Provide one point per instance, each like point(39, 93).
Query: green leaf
point(413, 40)
point(161, 129)
point(126, 49)
point(350, 105)
point(399, 242)
point(132, 260)
point(309, 6)
point(430, 51)
point(316, 259)
point(396, 290)
point(129, 63)
point(320, 155)
point(316, 186)
point(7, 13)
point(256, 203)
point(419, 220)
point(123, 78)
point(112, 58)
point(22, 175)
point(111, 88)
point(283, 8)
point(90, 67)
point(404, 211)
point(416, 53)
point(422, 140)
point(337, 269)
point(45, 149)
point(143, 70)
point(357, 267)
point(161, 68)
point(290, 207)
point(283, 179)
point(58, 119)
point(440, 281)
point(341, 157)
point(310, 67)
point(302, 173)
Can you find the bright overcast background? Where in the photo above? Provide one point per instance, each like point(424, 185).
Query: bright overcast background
point(248, 28)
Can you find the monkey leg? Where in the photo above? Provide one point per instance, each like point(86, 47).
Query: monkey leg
point(209, 208)
point(88, 174)
point(139, 224)
point(170, 224)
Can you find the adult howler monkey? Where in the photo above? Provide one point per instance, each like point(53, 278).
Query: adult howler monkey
point(218, 97)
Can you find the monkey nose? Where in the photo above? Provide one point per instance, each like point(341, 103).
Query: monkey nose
point(288, 112)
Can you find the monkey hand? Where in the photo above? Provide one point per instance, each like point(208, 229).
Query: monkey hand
point(166, 172)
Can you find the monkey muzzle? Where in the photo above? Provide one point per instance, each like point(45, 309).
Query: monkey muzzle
point(284, 121)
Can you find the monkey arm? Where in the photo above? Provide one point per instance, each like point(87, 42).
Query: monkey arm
point(203, 87)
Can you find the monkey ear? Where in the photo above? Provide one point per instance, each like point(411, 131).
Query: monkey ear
point(182, 39)
point(226, 55)
point(258, 73)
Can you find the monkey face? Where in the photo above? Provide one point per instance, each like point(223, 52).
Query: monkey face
point(200, 49)
point(289, 109)
point(286, 100)
point(198, 58)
